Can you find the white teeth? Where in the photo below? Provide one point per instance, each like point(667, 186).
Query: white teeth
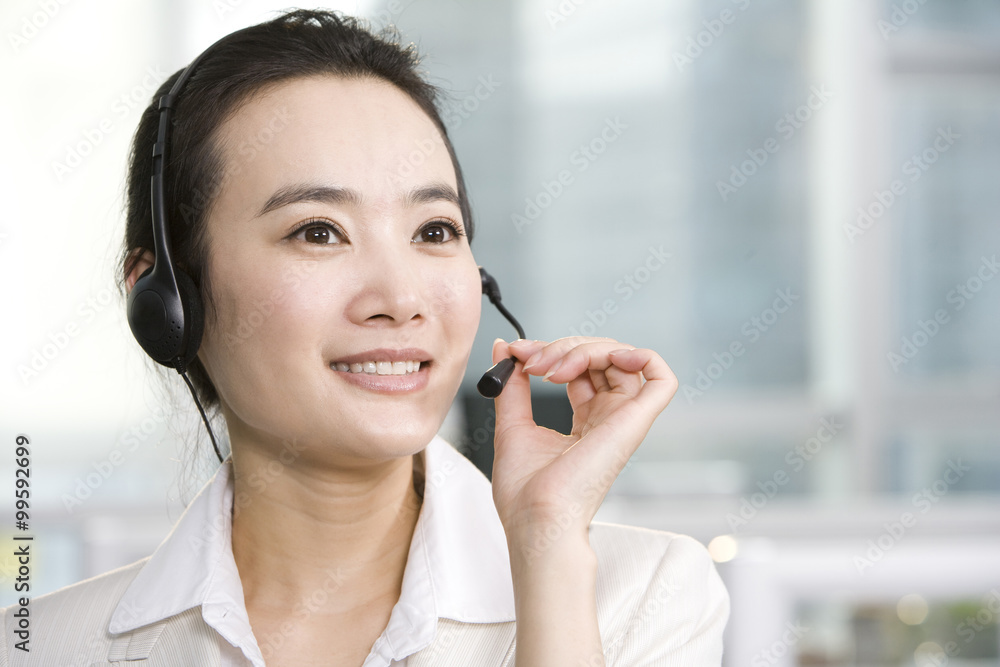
point(379, 367)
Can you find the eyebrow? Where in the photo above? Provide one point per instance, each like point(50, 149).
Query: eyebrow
point(326, 194)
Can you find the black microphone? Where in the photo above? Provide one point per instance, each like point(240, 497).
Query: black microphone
point(494, 380)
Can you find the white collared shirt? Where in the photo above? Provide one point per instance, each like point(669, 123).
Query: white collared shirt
point(458, 567)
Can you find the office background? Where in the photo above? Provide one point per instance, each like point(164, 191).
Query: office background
point(794, 201)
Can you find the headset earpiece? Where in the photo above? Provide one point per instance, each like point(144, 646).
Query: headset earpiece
point(194, 319)
point(166, 316)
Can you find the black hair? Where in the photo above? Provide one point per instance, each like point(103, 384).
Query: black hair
point(298, 43)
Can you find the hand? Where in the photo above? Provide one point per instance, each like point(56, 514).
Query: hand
point(542, 477)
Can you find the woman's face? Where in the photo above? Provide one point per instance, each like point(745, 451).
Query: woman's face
point(337, 248)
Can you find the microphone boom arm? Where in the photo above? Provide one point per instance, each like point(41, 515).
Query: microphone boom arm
point(494, 380)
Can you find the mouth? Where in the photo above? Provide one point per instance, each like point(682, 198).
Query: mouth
point(385, 370)
point(380, 367)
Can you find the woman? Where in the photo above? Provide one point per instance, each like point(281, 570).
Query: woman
point(316, 202)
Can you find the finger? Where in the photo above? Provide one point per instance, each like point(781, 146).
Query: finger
point(551, 357)
point(660, 382)
point(621, 381)
point(534, 352)
point(599, 380)
point(576, 360)
point(580, 391)
point(626, 427)
point(525, 347)
point(513, 405)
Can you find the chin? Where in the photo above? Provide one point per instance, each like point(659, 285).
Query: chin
point(389, 443)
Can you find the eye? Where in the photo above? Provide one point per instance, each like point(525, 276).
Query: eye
point(437, 232)
point(318, 232)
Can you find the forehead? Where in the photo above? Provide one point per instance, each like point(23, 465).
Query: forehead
point(364, 134)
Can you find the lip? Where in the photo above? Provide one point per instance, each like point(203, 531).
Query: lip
point(385, 354)
point(387, 384)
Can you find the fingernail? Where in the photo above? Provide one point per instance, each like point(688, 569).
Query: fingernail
point(552, 370)
point(532, 360)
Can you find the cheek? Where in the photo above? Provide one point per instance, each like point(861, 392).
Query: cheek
point(259, 314)
point(458, 298)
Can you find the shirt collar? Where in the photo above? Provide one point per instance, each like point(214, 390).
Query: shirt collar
point(458, 565)
point(465, 542)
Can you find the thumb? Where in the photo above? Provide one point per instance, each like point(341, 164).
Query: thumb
point(513, 405)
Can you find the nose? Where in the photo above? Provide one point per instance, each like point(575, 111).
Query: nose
point(390, 293)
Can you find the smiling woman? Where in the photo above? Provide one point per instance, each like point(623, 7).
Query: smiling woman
point(341, 303)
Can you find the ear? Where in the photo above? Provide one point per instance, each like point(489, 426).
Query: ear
point(144, 262)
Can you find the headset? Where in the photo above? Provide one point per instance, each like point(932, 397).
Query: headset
point(164, 307)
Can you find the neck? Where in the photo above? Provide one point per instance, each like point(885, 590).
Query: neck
point(300, 527)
